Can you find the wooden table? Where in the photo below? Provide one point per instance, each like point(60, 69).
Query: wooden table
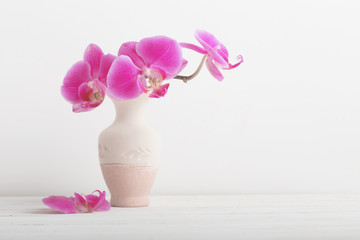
point(220, 217)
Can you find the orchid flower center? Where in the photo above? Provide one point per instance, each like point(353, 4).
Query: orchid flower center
point(96, 95)
point(153, 77)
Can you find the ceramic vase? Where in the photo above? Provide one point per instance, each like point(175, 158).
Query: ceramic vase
point(129, 153)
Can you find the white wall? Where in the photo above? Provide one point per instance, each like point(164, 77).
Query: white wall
point(287, 120)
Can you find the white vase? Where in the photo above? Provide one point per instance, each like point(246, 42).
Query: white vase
point(129, 153)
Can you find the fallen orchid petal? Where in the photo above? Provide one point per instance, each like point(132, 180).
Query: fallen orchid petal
point(61, 204)
point(97, 203)
point(78, 204)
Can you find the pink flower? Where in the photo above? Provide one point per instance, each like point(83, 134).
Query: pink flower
point(78, 204)
point(85, 82)
point(143, 66)
point(217, 54)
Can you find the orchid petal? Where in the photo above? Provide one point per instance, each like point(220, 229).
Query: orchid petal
point(160, 91)
point(214, 70)
point(162, 52)
point(206, 37)
point(183, 65)
point(92, 55)
point(222, 55)
point(211, 45)
point(122, 79)
point(231, 66)
point(97, 203)
point(141, 82)
point(224, 50)
point(84, 92)
point(78, 74)
point(82, 107)
point(92, 94)
point(129, 49)
point(61, 203)
point(80, 203)
point(215, 55)
point(105, 64)
point(93, 200)
point(105, 206)
point(193, 47)
point(158, 73)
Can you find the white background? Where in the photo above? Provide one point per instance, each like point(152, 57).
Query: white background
point(285, 121)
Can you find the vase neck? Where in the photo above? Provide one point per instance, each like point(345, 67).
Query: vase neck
point(132, 110)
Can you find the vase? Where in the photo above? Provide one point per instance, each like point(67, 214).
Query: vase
point(129, 153)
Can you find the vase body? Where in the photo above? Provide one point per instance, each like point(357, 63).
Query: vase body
point(129, 153)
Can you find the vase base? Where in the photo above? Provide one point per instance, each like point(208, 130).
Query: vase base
point(129, 202)
point(129, 186)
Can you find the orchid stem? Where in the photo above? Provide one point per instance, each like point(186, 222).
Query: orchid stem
point(185, 79)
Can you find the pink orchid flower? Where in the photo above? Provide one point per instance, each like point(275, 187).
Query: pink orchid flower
point(143, 66)
point(217, 54)
point(85, 82)
point(78, 204)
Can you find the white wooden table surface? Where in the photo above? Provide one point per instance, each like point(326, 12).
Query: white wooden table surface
point(246, 217)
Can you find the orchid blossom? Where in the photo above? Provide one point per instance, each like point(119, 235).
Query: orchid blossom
point(215, 54)
point(79, 203)
point(140, 67)
point(144, 66)
point(85, 82)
